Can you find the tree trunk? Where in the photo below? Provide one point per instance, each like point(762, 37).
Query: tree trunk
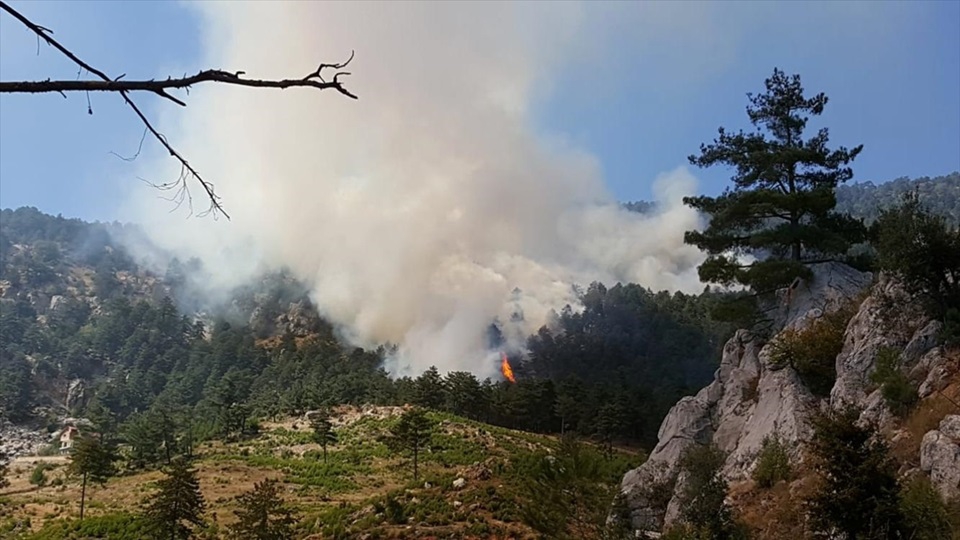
point(415, 471)
point(324, 453)
point(83, 495)
point(795, 244)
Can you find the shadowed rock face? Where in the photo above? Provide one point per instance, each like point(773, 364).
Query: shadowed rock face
point(750, 399)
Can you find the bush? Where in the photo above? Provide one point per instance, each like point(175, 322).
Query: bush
point(39, 476)
point(925, 514)
point(112, 526)
point(705, 512)
point(950, 333)
point(812, 352)
point(773, 464)
point(898, 393)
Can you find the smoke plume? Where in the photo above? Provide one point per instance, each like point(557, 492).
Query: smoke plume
point(415, 213)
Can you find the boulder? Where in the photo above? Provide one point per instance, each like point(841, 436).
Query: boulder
point(877, 324)
point(940, 456)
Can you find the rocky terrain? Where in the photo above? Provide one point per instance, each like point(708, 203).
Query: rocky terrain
point(752, 397)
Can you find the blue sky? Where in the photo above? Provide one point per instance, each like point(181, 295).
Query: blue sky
point(891, 70)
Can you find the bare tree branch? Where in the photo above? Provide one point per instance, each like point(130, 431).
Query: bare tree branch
point(312, 80)
point(179, 187)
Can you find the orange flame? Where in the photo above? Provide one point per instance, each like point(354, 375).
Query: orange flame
point(506, 369)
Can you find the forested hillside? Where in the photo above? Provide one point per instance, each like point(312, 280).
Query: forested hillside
point(940, 195)
point(86, 328)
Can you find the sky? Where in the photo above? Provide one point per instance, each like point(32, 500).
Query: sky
point(639, 97)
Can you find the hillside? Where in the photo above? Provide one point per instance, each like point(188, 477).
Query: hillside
point(888, 371)
point(124, 347)
point(865, 200)
point(940, 195)
point(475, 480)
point(84, 325)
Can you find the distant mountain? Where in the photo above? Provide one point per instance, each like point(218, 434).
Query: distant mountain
point(940, 194)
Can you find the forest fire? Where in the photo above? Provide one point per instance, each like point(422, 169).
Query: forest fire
point(505, 368)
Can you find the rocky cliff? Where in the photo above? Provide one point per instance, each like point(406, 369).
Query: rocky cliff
point(752, 398)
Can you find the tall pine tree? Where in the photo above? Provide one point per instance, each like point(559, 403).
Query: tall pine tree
point(178, 503)
point(780, 209)
point(411, 434)
point(323, 433)
point(91, 460)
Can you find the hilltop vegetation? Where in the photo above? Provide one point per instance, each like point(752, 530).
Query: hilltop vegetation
point(78, 313)
point(475, 482)
point(940, 196)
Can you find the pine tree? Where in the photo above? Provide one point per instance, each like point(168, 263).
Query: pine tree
point(263, 514)
point(177, 504)
point(429, 391)
point(103, 419)
point(411, 434)
point(859, 495)
point(921, 249)
point(91, 460)
point(323, 433)
point(463, 394)
point(780, 209)
point(610, 421)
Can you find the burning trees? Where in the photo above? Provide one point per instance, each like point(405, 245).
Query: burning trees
point(505, 368)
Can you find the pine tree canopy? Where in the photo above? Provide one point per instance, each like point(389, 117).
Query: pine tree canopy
point(778, 218)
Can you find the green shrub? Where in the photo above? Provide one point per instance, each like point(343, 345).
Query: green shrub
point(112, 526)
point(39, 475)
point(924, 512)
point(395, 510)
point(812, 352)
point(773, 464)
point(49, 450)
point(897, 391)
point(950, 333)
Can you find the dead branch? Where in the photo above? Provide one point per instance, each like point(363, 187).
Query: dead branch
point(179, 187)
point(312, 80)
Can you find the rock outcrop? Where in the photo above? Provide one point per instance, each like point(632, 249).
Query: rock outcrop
point(940, 456)
point(752, 398)
point(749, 400)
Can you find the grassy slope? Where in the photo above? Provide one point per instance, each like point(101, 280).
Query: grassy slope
point(362, 490)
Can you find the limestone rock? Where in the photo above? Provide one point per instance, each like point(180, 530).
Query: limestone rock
point(940, 456)
point(748, 400)
point(75, 393)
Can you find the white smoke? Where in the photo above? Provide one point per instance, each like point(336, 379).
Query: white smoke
point(415, 212)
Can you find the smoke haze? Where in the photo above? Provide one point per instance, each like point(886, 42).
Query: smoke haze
point(414, 213)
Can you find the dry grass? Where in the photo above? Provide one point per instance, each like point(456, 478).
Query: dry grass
point(926, 416)
point(777, 512)
point(226, 470)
